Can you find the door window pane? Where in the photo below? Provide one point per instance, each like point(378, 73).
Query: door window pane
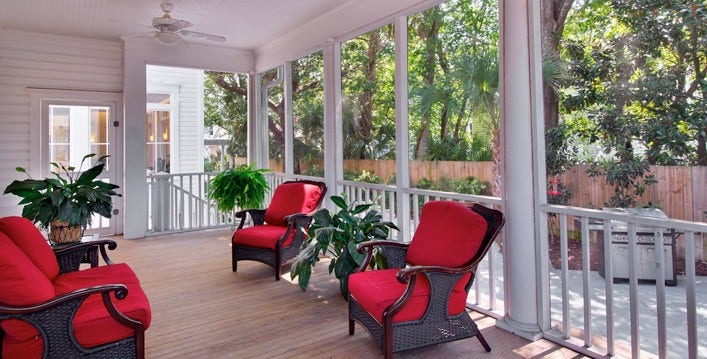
point(157, 131)
point(75, 131)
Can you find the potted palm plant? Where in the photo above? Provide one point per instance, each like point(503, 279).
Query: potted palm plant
point(65, 203)
point(243, 187)
point(337, 236)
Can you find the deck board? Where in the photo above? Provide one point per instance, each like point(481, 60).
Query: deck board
point(201, 309)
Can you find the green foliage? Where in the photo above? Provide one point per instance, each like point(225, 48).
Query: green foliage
point(637, 69)
point(337, 236)
point(468, 185)
point(363, 176)
point(630, 180)
point(560, 154)
point(72, 196)
point(243, 187)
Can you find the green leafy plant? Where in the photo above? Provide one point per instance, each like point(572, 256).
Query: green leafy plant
point(243, 186)
point(71, 195)
point(337, 236)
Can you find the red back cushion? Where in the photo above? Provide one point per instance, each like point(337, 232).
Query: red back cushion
point(291, 198)
point(21, 282)
point(449, 234)
point(31, 241)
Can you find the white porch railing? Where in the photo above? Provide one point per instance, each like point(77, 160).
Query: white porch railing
point(595, 316)
point(178, 202)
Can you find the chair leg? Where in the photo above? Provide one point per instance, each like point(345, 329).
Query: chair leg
point(352, 326)
point(234, 262)
point(483, 341)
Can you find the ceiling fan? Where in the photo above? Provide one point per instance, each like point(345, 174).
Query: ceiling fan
point(169, 31)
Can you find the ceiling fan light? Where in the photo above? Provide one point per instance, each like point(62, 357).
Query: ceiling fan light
point(167, 38)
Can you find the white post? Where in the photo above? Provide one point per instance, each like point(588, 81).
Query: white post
point(289, 120)
point(402, 134)
point(253, 111)
point(135, 145)
point(517, 116)
point(333, 136)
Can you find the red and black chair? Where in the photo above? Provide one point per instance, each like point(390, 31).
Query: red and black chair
point(48, 311)
point(278, 231)
point(420, 299)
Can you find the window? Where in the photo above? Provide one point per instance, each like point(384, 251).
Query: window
point(75, 131)
point(157, 132)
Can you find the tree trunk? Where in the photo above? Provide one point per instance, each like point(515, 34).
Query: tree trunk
point(427, 30)
point(554, 14)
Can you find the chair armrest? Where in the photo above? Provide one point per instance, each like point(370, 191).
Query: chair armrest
point(71, 257)
point(297, 222)
point(405, 274)
point(54, 318)
point(441, 279)
point(258, 216)
point(394, 253)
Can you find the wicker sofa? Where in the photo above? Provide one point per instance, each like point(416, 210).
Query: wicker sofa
point(52, 312)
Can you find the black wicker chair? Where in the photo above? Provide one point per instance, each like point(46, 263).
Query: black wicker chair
point(278, 231)
point(50, 309)
point(422, 304)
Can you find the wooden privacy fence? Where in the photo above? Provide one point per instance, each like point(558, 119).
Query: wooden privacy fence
point(681, 192)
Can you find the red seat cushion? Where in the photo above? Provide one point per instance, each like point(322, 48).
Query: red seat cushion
point(263, 236)
point(377, 290)
point(21, 282)
point(449, 235)
point(291, 198)
point(92, 325)
point(31, 241)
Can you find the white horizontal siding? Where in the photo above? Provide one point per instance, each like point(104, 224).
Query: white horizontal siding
point(188, 154)
point(37, 60)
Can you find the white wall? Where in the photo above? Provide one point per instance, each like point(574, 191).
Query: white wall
point(188, 146)
point(33, 60)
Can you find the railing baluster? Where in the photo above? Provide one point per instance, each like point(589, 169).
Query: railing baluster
point(633, 290)
point(609, 288)
point(690, 300)
point(492, 289)
point(564, 277)
point(586, 281)
point(660, 292)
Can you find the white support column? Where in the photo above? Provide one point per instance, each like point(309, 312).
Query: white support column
point(289, 120)
point(402, 133)
point(333, 136)
point(253, 111)
point(135, 145)
point(517, 117)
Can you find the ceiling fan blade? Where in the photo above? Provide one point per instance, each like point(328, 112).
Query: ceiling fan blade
point(201, 35)
point(180, 24)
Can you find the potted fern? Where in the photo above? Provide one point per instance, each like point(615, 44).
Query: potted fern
point(65, 203)
point(243, 187)
point(337, 236)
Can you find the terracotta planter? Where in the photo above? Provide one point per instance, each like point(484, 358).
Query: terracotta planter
point(61, 232)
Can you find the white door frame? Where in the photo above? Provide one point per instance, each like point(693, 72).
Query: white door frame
point(40, 100)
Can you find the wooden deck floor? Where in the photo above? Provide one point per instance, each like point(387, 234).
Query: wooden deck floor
point(203, 310)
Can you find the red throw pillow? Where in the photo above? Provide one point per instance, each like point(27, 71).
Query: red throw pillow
point(291, 198)
point(449, 235)
point(21, 282)
point(31, 241)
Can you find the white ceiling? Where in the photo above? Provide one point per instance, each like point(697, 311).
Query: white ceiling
point(246, 24)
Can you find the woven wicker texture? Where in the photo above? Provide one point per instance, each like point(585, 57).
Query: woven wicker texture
point(55, 327)
point(70, 259)
point(61, 232)
point(395, 256)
